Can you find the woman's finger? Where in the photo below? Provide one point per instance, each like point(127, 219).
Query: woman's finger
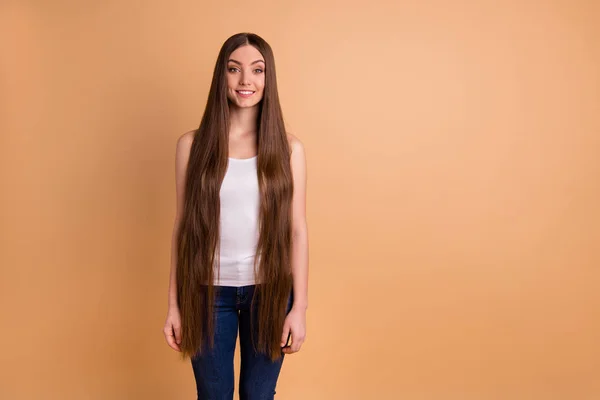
point(296, 345)
point(285, 335)
point(173, 344)
point(171, 340)
point(290, 350)
point(177, 330)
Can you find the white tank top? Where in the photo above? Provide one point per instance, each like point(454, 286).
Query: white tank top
point(240, 202)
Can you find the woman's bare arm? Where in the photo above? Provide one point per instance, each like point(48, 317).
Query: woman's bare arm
point(299, 227)
point(182, 154)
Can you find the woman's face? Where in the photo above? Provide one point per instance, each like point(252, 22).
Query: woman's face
point(245, 76)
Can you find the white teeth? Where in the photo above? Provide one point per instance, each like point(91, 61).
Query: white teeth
point(244, 92)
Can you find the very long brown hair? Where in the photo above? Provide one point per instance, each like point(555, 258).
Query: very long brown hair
point(198, 234)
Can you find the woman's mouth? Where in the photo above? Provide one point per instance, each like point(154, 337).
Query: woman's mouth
point(244, 93)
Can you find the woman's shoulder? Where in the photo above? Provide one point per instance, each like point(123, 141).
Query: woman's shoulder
point(187, 138)
point(184, 146)
point(295, 144)
point(185, 141)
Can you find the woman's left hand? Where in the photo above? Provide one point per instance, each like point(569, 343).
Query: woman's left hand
point(295, 322)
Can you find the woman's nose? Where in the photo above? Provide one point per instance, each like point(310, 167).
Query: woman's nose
point(244, 79)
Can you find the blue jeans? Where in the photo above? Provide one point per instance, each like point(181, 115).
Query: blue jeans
point(213, 369)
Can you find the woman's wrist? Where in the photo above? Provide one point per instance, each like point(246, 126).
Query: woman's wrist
point(300, 305)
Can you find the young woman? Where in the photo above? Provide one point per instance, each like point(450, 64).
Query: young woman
point(240, 242)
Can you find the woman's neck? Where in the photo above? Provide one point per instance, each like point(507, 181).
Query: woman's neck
point(242, 121)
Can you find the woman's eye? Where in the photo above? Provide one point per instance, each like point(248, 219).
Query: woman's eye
point(233, 69)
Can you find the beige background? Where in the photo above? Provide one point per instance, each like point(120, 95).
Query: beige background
point(453, 193)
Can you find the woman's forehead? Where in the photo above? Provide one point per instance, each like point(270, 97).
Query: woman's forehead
point(246, 55)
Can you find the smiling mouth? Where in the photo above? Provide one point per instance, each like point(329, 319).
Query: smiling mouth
point(245, 92)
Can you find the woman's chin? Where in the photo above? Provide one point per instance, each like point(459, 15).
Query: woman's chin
point(241, 105)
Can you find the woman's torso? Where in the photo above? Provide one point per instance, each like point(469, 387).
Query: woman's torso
point(240, 202)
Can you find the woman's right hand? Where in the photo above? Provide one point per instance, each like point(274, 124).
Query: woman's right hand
point(172, 329)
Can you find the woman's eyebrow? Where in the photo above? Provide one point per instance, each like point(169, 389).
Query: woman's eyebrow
point(252, 63)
